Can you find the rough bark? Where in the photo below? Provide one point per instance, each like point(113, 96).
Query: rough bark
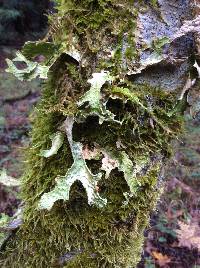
point(114, 99)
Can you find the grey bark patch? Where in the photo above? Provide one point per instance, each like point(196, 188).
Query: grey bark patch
point(170, 70)
point(169, 77)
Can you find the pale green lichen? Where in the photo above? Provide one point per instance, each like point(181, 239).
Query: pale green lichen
point(196, 65)
point(78, 172)
point(93, 97)
point(131, 170)
point(31, 71)
point(9, 224)
point(4, 219)
point(34, 69)
point(119, 159)
point(8, 180)
point(57, 142)
point(65, 194)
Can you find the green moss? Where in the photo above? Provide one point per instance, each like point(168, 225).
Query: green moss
point(154, 3)
point(158, 43)
point(109, 238)
point(112, 237)
point(97, 26)
point(73, 233)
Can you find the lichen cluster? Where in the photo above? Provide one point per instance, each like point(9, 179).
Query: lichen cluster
point(88, 197)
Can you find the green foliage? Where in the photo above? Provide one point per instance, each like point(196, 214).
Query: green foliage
point(162, 227)
point(149, 263)
point(8, 14)
point(4, 220)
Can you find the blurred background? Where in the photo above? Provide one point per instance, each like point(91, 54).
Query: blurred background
point(173, 237)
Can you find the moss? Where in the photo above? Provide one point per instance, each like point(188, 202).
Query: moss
point(97, 26)
point(73, 233)
point(158, 43)
point(154, 3)
point(109, 238)
point(85, 236)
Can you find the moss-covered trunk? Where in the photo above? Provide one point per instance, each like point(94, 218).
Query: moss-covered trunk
point(111, 105)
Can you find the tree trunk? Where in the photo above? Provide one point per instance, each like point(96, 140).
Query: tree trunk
point(113, 101)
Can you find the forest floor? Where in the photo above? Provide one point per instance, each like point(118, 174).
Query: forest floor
point(173, 237)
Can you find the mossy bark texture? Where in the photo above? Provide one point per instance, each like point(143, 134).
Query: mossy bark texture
point(110, 107)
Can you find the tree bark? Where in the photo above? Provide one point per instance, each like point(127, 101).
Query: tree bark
point(114, 99)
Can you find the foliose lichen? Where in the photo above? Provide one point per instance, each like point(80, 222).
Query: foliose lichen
point(80, 210)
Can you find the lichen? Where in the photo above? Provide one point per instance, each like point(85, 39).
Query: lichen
point(4, 219)
point(67, 221)
point(77, 172)
point(57, 142)
point(93, 97)
point(8, 180)
point(31, 71)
